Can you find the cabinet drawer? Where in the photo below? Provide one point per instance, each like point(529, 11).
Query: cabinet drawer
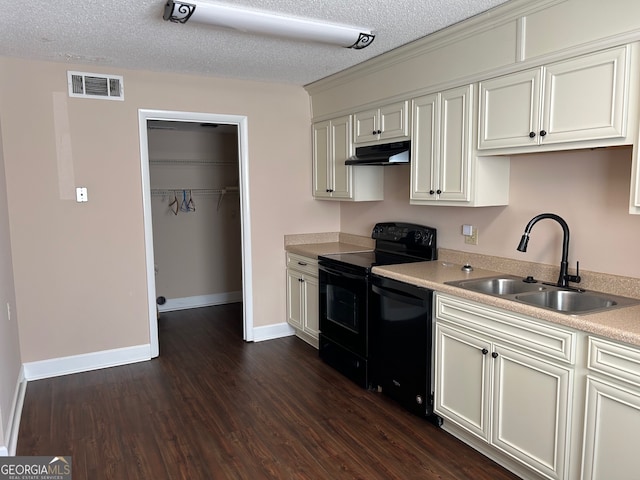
point(526, 332)
point(302, 264)
point(614, 360)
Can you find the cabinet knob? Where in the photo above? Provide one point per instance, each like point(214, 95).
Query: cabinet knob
point(300, 280)
point(438, 191)
point(431, 192)
point(532, 134)
point(374, 133)
point(485, 351)
point(494, 354)
point(543, 133)
point(379, 132)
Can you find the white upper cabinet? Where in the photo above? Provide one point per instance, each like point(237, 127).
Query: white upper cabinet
point(444, 167)
point(390, 122)
point(332, 179)
point(581, 102)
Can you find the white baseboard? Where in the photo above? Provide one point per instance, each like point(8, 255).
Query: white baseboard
point(269, 332)
point(14, 416)
point(86, 362)
point(197, 301)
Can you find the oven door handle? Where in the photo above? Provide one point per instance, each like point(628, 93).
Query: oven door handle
point(399, 296)
point(338, 273)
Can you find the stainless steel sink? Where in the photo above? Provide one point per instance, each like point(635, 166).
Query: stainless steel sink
point(504, 285)
point(551, 297)
point(567, 301)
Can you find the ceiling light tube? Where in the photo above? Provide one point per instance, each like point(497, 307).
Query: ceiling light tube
point(255, 21)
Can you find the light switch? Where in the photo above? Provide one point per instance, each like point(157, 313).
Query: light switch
point(81, 194)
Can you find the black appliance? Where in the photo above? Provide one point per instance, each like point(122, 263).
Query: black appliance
point(348, 340)
point(395, 153)
point(400, 314)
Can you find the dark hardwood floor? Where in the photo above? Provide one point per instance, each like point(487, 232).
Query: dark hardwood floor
point(214, 407)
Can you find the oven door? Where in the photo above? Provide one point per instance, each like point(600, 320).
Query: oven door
point(343, 307)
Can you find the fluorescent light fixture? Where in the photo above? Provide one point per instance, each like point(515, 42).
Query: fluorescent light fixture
point(256, 21)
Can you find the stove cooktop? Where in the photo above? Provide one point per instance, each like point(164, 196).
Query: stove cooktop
point(367, 260)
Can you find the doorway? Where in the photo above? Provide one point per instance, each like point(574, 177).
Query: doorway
point(240, 122)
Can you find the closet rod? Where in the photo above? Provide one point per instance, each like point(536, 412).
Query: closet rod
point(194, 191)
point(191, 162)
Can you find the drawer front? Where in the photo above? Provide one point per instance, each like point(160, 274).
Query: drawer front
point(614, 360)
point(302, 264)
point(528, 333)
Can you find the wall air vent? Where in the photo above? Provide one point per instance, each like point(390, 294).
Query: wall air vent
point(95, 85)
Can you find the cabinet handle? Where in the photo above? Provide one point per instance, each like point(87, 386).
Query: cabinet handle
point(374, 132)
point(302, 264)
point(431, 192)
point(485, 351)
point(532, 134)
point(494, 354)
point(543, 133)
point(438, 191)
point(379, 132)
point(300, 280)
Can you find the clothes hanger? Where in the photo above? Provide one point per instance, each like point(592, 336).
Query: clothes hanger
point(174, 209)
point(190, 204)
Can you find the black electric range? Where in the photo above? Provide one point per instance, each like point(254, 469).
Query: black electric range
point(344, 289)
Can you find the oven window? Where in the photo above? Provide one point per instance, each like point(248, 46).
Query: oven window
point(342, 307)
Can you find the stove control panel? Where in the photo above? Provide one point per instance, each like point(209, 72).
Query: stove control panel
point(405, 233)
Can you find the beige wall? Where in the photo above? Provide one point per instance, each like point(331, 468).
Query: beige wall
point(588, 188)
point(79, 268)
point(9, 342)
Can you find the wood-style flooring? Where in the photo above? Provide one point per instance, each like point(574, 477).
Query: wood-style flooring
point(214, 407)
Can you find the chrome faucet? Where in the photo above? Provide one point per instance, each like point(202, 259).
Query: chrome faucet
point(564, 278)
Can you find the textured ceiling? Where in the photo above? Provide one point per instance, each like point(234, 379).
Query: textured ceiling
point(132, 34)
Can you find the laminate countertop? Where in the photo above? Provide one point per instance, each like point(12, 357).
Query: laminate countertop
point(621, 324)
point(314, 250)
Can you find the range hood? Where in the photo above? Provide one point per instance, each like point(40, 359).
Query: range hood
point(396, 153)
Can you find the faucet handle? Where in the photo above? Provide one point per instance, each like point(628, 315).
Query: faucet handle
point(575, 278)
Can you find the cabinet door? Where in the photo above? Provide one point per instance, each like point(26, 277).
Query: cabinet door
point(455, 144)
point(612, 432)
point(340, 132)
point(509, 113)
point(394, 121)
point(294, 299)
point(322, 181)
point(531, 410)
point(425, 125)
point(585, 98)
point(462, 379)
point(365, 126)
point(311, 307)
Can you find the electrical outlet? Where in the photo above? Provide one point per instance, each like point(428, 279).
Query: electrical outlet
point(473, 238)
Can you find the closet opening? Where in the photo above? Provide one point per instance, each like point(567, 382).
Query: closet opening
point(196, 213)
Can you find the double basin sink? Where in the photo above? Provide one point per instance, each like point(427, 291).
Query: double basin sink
point(551, 297)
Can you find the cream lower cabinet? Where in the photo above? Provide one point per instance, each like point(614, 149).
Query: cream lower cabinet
point(612, 413)
point(504, 384)
point(302, 297)
point(444, 167)
point(583, 99)
point(332, 179)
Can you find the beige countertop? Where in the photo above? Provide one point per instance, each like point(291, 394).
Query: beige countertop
point(622, 324)
point(313, 250)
